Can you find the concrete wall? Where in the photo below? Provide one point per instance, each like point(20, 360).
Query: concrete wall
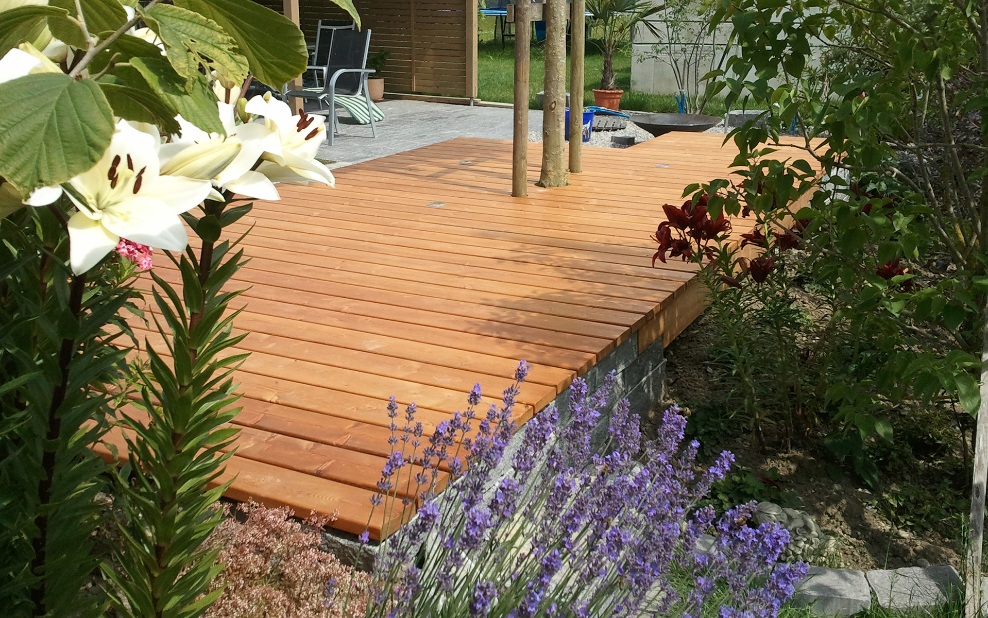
point(691, 48)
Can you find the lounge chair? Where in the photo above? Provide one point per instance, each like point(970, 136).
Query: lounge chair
point(342, 82)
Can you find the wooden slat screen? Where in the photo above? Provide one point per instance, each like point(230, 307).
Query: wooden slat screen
point(426, 40)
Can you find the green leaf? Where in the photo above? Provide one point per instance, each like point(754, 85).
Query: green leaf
point(197, 104)
point(25, 23)
point(66, 28)
point(53, 128)
point(274, 46)
point(192, 40)
point(967, 392)
point(139, 106)
point(101, 16)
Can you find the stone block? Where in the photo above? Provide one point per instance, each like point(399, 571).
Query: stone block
point(833, 592)
point(915, 587)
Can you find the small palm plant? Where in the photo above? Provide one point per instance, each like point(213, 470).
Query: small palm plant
point(618, 19)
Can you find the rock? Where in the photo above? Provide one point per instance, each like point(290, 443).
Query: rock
point(806, 540)
point(923, 563)
point(833, 592)
point(915, 587)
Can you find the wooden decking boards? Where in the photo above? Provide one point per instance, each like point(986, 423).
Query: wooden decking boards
point(418, 276)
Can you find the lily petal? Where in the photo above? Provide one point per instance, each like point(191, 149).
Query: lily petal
point(255, 185)
point(147, 221)
point(89, 242)
point(180, 194)
point(43, 196)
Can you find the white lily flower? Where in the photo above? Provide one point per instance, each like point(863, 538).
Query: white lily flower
point(300, 136)
point(237, 174)
point(125, 196)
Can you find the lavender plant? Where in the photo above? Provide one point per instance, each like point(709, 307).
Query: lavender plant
point(557, 527)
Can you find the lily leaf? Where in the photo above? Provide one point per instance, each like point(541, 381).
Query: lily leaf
point(192, 40)
point(140, 106)
point(274, 46)
point(53, 128)
point(197, 104)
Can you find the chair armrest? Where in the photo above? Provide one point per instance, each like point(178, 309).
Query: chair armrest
point(332, 82)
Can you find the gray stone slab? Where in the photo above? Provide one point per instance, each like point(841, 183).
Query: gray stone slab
point(833, 592)
point(915, 587)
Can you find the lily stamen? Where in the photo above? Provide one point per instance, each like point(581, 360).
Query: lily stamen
point(312, 133)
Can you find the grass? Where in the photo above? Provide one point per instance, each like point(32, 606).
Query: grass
point(496, 68)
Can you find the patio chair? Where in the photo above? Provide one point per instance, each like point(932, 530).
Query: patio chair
point(343, 82)
point(319, 52)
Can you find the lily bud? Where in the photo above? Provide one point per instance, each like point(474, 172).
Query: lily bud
point(202, 161)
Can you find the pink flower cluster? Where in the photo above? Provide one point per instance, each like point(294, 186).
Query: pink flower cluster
point(136, 252)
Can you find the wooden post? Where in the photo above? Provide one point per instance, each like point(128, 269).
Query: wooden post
point(519, 158)
point(290, 9)
point(554, 106)
point(577, 26)
point(471, 39)
point(973, 601)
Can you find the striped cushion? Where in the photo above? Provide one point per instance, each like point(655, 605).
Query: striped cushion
point(357, 106)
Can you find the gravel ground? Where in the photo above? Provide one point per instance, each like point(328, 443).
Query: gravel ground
point(603, 139)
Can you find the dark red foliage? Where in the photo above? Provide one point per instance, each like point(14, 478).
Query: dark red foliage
point(787, 240)
point(891, 269)
point(731, 281)
point(761, 267)
point(755, 237)
point(694, 230)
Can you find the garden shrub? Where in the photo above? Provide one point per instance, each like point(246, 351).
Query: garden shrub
point(555, 528)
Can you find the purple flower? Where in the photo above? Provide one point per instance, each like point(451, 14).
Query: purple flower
point(474, 398)
point(522, 371)
point(484, 595)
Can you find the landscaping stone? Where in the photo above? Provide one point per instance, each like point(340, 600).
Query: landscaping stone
point(833, 592)
point(915, 587)
point(806, 541)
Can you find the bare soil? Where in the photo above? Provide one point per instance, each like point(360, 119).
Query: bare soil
point(838, 501)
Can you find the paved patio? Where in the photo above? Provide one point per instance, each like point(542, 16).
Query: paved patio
point(413, 124)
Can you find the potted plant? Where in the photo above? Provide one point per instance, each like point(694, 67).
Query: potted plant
point(375, 81)
point(617, 19)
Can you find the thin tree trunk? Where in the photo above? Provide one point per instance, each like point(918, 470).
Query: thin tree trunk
point(519, 159)
point(577, 49)
point(973, 605)
point(554, 108)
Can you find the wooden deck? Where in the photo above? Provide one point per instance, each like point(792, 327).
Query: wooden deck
point(418, 276)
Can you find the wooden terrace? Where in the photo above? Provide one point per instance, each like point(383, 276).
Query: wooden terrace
point(418, 276)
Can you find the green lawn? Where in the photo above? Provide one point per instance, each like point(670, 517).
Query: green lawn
point(496, 74)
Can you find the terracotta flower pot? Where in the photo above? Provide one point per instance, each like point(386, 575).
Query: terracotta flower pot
point(375, 87)
point(611, 99)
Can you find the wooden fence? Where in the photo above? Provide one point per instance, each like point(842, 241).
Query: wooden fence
point(432, 43)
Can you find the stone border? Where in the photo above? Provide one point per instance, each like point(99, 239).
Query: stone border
point(844, 592)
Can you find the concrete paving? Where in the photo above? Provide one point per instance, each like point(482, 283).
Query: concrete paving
point(413, 124)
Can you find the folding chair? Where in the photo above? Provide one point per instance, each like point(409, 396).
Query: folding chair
point(344, 81)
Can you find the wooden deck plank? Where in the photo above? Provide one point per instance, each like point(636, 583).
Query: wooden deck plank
point(419, 275)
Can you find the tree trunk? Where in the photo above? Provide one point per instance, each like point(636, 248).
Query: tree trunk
point(519, 159)
point(607, 80)
point(973, 605)
point(577, 48)
point(554, 108)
